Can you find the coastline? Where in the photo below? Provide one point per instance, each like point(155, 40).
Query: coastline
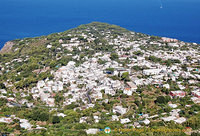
point(5, 43)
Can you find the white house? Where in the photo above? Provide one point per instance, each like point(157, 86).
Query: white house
point(61, 115)
point(44, 97)
point(115, 118)
point(175, 112)
point(124, 121)
point(151, 71)
point(40, 84)
point(120, 110)
point(49, 46)
point(136, 124)
point(25, 124)
point(127, 91)
point(177, 93)
point(96, 119)
point(180, 120)
point(3, 91)
point(5, 120)
point(146, 122)
point(181, 87)
point(166, 86)
point(92, 131)
point(173, 44)
point(132, 86)
point(83, 120)
point(196, 93)
point(195, 99)
point(51, 102)
point(168, 118)
point(172, 105)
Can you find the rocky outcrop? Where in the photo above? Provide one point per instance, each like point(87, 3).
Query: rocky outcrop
point(7, 47)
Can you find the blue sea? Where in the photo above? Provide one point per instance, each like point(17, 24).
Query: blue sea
point(170, 18)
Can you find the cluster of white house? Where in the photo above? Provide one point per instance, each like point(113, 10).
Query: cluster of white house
point(24, 123)
point(89, 81)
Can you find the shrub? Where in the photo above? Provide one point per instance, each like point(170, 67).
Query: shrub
point(55, 120)
point(162, 99)
point(114, 56)
point(2, 86)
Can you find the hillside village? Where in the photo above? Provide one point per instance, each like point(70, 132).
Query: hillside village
point(99, 75)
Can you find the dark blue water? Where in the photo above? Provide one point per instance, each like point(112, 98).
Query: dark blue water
point(28, 18)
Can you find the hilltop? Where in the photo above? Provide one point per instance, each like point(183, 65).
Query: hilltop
point(94, 29)
point(98, 75)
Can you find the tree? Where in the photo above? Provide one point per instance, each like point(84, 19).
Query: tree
point(195, 134)
point(55, 120)
point(71, 106)
point(137, 68)
point(162, 99)
point(2, 101)
point(168, 63)
point(114, 56)
point(100, 61)
point(82, 133)
point(2, 86)
point(184, 67)
point(193, 122)
point(154, 37)
point(39, 115)
point(154, 59)
point(71, 116)
point(138, 53)
point(167, 109)
point(188, 58)
point(80, 126)
point(125, 76)
point(53, 64)
point(82, 55)
point(107, 106)
point(58, 98)
point(110, 69)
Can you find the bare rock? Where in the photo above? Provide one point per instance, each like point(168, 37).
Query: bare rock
point(7, 47)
